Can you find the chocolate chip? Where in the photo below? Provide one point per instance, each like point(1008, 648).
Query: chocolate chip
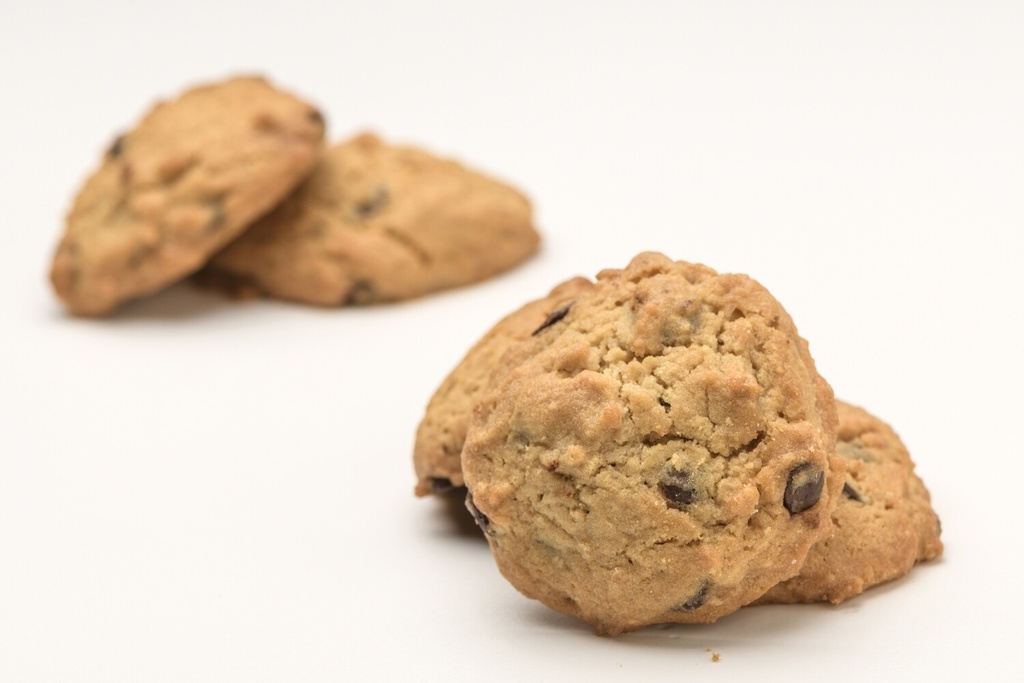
point(677, 489)
point(479, 517)
point(362, 291)
point(315, 116)
point(803, 488)
point(699, 598)
point(553, 317)
point(116, 148)
point(217, 218)
point(854, 450)
point(852, 493)
point(440, 484)
point(368, 206)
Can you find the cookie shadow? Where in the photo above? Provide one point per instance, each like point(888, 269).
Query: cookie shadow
point(183, 300)
point(189, 299)
point(454, 519)
point(750, 628)
point(762, 626)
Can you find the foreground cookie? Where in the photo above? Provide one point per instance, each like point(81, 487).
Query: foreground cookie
point(188, 179)
point(379, 223)
point(441, 433)
point(884, 523)
point(661, 451)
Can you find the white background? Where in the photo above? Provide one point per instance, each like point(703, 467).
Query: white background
point(201, 490)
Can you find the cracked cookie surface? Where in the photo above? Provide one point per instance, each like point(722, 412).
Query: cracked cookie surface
point(661, 453)
point(884, 522)
point(189, 178)
point(442, 431)
point(378, 223)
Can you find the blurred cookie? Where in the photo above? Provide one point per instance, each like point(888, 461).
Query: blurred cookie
point(884, 522)
point(441, 433)
point(379, 223)
point(661, 451)
point(188, 179)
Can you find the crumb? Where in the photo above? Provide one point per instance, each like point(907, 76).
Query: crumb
point(714, 655)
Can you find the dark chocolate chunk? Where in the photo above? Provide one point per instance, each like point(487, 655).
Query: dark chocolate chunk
point(368, 206)
point(697, 600)
point(803, 488)
point(553, 317)
point(852, 493)
point(677, 489)
point(363, 291)
point(479, 517)
point(854, 450)
point(216, 220)
point(116, 148)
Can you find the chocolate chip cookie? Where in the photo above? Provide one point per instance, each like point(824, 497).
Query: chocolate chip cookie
point(188, 179)
point(376, 223)
point(884, 522)
point(660, 451)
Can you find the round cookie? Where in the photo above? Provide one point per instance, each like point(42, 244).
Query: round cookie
point(441, 433)
point(661, 453)
point(379, 223)
point(189, 178)
point(884, 522)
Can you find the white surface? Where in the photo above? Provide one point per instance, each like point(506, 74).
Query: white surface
point(197, 490)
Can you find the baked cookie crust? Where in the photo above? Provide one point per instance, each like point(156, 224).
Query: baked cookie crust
point(662, 452)
point(188, 179)
point(884, 522)
point(376, 223)
point(437, 453)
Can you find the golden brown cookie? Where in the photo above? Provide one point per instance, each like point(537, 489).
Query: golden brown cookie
point(377, 223)
point(661, 451)
point(884, 522)
point(441, 433)
point(189, 178)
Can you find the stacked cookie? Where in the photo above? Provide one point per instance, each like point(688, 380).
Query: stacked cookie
point(657, 446)
point(231, 182)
